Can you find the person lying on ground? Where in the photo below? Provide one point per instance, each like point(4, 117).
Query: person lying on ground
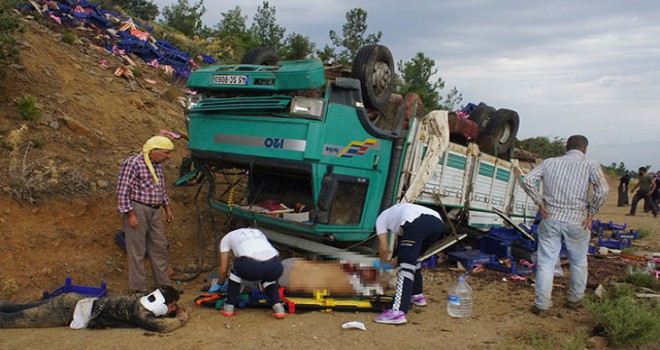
point(79, 311)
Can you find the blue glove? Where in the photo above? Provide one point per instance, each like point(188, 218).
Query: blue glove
point(217, 287)
point(383, 267)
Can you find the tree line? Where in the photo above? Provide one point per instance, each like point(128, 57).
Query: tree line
point(233, 35)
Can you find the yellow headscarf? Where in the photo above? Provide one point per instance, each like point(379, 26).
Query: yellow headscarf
point(156, 142)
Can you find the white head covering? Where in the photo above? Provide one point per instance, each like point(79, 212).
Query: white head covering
point(155, 302)
point(156, 142)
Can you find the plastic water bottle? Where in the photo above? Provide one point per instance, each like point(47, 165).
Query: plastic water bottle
point(460, 298)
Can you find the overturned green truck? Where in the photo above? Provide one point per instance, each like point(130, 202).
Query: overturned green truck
point(312, 153)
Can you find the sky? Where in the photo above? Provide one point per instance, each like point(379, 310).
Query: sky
point(567, 67)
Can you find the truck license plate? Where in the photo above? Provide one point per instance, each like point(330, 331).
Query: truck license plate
point(230, 79)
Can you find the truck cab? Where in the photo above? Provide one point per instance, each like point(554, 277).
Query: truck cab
point(291, 146)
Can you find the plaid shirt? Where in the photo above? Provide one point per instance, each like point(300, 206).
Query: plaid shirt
point(135, 183)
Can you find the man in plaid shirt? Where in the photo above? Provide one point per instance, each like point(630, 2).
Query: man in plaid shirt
point(140, 195)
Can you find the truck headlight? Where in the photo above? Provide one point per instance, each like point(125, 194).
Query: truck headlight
point(307, 107)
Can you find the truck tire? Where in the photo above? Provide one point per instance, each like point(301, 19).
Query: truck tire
point(374, 67)
point(500, 132)
point(262, 56)
point(481, 115)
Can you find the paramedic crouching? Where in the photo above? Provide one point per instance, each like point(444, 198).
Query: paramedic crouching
point(416, 228)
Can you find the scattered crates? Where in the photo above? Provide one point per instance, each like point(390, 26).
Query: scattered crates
point(598, 227)
point(72, 288)
point(471, 257)
point(515, 269)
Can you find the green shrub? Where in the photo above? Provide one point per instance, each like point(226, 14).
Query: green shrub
point(643, 233)
point(27, 108)
point(68, 37)
point(628, 321)
point(542, 340)
point(137, 72)
point(643, 279)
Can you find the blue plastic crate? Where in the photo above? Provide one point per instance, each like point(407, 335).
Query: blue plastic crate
point(498, 247)
point(471, 257)
point(632, 234)
point(71, 288)
point(614, 244)
point(506, 234)
point(516, 269)
point(430, 262)
point(613, 226)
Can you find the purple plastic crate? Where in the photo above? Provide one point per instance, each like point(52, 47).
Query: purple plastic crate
point(471, 257)
point(71, 288)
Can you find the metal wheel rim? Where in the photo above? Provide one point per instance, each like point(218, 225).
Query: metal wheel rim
point(506, 133)
point(382, 77)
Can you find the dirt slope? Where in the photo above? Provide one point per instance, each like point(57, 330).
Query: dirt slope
point(91, 121)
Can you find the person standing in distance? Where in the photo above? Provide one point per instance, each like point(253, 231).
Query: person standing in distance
point(646, 185)
point(567, 211)
point(140, 194)
point(417, 228)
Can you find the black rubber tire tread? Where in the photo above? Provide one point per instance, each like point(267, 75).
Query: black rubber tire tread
point(494, 139)
point(262, 56)
point(481, 115)
point(363, 70)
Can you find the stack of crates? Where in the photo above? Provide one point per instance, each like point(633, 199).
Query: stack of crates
point(499, 242)
point(619, 239)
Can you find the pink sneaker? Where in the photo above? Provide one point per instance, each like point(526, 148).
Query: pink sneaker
point(391, 317)
point(418, 300)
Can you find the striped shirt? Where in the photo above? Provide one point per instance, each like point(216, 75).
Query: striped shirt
point(566, 183)
point(135, 183)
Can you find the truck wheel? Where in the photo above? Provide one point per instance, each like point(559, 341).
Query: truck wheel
point(263, 56)
point(374, 67)
point(500, 132)
point(481, 115)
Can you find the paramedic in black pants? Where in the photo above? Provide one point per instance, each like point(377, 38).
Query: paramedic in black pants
point(256, 260)
point(416, 228)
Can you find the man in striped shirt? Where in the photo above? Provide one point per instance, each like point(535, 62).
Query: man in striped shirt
point(566, 211)
point(140, 195)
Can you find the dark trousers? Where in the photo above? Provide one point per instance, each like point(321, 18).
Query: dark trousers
point(55, 312)
point(248, 269)
point(647, 201)
point(623, 196)
point(417, 236)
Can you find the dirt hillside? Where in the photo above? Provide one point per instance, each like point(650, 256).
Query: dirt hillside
point(91, 120)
